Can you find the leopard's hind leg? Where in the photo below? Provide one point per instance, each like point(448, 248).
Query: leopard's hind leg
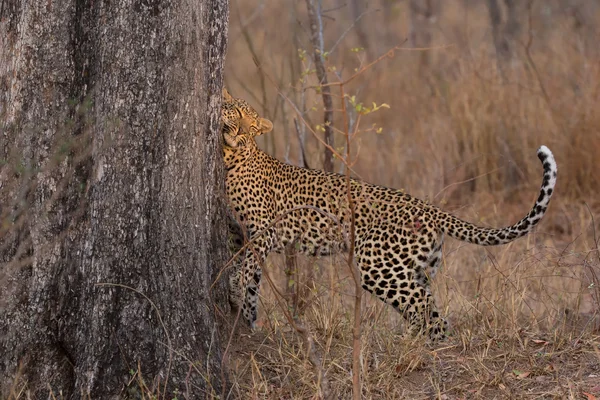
point(398, 272)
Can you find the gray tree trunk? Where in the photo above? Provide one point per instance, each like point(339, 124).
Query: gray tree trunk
point(423, 15)
point(357, 10)
point(111, 197)
point(504, 34)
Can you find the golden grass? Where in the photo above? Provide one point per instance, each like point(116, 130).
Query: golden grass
point(524, 316)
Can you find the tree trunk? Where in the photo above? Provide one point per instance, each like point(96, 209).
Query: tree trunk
point(111, 197)
point(504, 34)
point(423, 14)
point(357, 11)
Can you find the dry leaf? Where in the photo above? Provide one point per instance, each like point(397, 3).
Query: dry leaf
point(521, 374)
point(550, 367)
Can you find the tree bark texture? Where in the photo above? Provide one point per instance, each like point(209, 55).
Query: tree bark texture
point(112, 197)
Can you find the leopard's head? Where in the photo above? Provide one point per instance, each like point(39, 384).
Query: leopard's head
point(241, 123)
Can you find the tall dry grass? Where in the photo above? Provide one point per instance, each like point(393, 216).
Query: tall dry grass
point(464, 137)
point(455, 121)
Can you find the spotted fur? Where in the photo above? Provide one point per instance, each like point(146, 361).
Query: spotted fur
point(238, 116)
point(398, 238)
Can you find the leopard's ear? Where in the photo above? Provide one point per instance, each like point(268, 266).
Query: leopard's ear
point(226, 95)
point(266, 126)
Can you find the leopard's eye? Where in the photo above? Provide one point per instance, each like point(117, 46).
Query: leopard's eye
point(229, 127)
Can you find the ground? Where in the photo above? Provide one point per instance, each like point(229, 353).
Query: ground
point(272, 363)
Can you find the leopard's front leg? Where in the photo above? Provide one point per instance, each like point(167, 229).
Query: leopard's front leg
point(251, 273)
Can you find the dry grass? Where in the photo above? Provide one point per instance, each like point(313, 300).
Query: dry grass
point(524, 316)
point(524, 324)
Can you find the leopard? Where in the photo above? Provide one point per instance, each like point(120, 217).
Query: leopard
point(238, 116)
point(396, 238)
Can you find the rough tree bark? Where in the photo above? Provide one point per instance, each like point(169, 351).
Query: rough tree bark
point(111, 197)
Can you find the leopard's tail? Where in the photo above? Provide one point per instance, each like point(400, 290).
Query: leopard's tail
point(468, 232)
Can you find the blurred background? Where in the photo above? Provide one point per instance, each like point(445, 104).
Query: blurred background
point(495, 80)
point(474, 87)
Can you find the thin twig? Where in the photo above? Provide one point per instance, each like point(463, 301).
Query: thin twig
point(348, 30)
point(356, 331)
point(595, 279)
point(302, 152)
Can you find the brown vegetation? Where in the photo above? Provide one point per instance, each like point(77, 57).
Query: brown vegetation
point(524, 316)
